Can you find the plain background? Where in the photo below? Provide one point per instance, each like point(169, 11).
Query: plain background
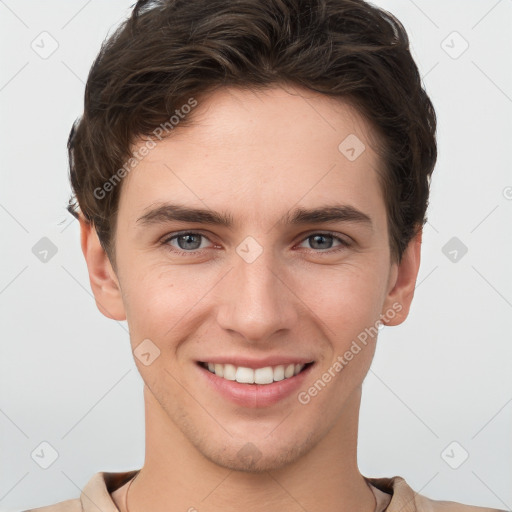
point(67, 375)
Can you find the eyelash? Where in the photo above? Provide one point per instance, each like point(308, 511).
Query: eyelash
point(180, 252)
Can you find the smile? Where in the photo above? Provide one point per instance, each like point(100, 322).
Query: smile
point(265, 375)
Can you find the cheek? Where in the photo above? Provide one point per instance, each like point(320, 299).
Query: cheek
point(346, 299)
point(159, 299)
point(349, 315)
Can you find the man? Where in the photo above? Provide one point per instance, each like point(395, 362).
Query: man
point(251, 181)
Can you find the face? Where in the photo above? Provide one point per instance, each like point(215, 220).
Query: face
point(271, 285)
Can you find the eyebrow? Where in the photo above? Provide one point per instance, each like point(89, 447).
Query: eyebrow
point(168, 212)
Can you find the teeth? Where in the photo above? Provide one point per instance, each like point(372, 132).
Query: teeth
point(229, 372)
point(219, 370)
point(245, 375)
point(289, 371)
point(264, 375)
point(279, 373)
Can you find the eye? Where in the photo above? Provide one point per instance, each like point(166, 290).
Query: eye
point(189, 242)
point(322, 242)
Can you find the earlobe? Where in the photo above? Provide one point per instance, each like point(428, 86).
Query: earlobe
point(403, 282)
point(103, 280)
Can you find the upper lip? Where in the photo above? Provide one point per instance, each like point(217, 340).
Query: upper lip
point(247, 362)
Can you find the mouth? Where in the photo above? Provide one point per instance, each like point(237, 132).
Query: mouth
point(258, 387)
point(256, 376)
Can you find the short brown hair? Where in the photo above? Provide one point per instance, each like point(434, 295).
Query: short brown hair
point(169, 51)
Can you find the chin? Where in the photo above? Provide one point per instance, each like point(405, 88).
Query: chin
point(260, 456)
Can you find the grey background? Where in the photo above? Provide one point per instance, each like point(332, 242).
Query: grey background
point(67, 376)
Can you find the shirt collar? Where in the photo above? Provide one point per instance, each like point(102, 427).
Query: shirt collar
point(96, 497)
point(403, 499)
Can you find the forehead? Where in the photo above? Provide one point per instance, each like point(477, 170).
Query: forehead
point(258, 150)
point(279, 113)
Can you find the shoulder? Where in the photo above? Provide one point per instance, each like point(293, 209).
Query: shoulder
point(430, 505)
point(63, 506)
point(95, 496)
point(406, 499)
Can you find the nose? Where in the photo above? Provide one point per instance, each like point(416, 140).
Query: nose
point(258, 299)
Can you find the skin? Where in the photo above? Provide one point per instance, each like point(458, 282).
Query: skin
point(256, 156)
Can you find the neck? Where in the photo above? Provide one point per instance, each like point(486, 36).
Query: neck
point(177, 476)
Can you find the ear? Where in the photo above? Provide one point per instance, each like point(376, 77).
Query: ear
point(104, 282)
point(402, 283)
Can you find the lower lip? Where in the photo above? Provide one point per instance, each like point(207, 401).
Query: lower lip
point(255, 395)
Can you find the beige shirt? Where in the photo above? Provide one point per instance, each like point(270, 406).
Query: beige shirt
point(391, 494)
